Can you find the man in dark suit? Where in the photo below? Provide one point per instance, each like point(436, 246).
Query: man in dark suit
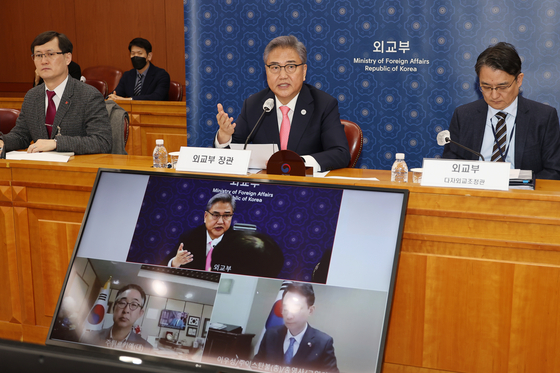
point(528, 138)
point(128, 307)
point(145, 81)
point(296, 343)
point(63, 114)
point(305, 119)
point(196, 246)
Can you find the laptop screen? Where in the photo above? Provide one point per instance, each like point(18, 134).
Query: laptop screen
point(231, 273)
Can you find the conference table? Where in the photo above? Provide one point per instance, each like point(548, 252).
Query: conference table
point(477, 284)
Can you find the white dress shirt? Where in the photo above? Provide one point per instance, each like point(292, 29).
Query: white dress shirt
point(489, 140)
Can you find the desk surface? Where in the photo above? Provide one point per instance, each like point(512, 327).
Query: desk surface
point(476, 288)
point(177, 107)
point(90, 163)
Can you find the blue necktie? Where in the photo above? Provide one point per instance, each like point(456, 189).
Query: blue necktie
point(290, 351)
point(138, 87)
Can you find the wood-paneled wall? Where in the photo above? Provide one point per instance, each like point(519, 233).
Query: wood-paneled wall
point(100, 31)
point(477, 285)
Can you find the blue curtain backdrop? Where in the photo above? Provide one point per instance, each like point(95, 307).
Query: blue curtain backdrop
point(397, 68)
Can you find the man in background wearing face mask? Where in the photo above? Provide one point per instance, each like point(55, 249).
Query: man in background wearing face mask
point(146, 81)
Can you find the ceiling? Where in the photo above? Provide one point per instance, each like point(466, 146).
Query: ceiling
point(154, 283)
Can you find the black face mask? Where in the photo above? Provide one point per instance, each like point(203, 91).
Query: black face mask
point(138, 62)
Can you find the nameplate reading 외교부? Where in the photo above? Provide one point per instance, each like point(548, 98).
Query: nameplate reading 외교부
point(457, 173)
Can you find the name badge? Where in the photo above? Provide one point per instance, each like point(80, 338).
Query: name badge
point(213, 160)
point(455, 173)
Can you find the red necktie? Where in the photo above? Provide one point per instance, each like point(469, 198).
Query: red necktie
point(51, 112)
point(284, 128)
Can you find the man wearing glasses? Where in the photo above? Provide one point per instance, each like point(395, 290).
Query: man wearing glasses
point(305, 119)
point(128, 307)
point(505, 126)
point(63, 114)
point(196, 246)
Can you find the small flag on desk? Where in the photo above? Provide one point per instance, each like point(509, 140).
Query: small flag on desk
point(94, 320)
point(275, 316)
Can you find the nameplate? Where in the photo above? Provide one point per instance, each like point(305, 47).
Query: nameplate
point(213, 160)
point(456, 173)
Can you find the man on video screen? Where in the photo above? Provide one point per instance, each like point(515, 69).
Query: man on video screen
point(128, 307)
point(296, 343)
point(196, 246)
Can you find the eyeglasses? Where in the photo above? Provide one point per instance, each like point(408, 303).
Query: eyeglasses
point(289, 68)
point(215, 216)
point(498, 89)
point(122, 305)
point(50, 55)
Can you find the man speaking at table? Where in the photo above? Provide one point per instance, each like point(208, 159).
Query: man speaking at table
point(63, 114)
point(505, 126)
point(197, 245)
point(305, 119)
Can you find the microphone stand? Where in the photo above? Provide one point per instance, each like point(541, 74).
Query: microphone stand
point(254, 129)
point(464, 147)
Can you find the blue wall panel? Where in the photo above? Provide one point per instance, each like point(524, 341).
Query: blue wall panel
point(397, 68)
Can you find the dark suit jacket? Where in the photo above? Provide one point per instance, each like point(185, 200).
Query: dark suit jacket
point(316, 351)
point(100, 337)
point(195, 242)
point(155, 86)
point(316, 129)
point(81, 124)
point(537, 136)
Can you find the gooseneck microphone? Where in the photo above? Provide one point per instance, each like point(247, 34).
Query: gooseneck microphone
point(444, 137)
point(267, 106)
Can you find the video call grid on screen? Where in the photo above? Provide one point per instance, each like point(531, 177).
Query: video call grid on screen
point(343, 236)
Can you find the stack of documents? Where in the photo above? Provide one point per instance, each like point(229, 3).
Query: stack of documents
point(521, 179)
point(43, 156)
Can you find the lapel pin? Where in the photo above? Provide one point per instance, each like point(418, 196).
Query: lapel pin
point(308, 343)
point(303, 111)
point(66, 102)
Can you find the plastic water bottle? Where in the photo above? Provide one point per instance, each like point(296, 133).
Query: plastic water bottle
point(160, 155)
point(399, 171)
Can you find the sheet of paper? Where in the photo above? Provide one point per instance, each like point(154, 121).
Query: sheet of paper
point(217, 325)
point(326, 174)
point(352, 178)
point(260, 153)
point(520, 174)
point(45, 156)
point(514, 173)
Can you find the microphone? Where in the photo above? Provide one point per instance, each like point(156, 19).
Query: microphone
point(267, 107)
point(444, 137)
